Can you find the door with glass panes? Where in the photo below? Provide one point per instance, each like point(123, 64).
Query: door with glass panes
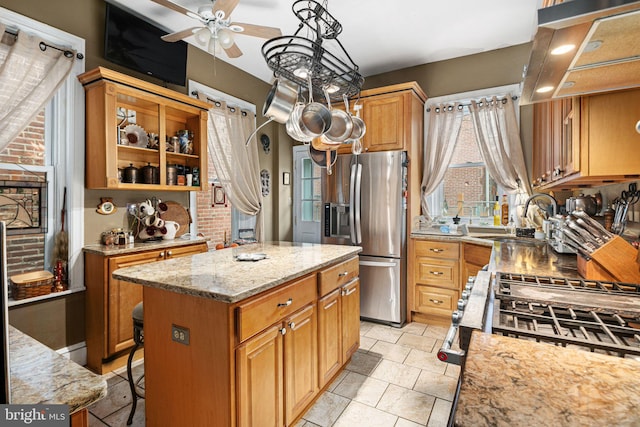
point(307, 202)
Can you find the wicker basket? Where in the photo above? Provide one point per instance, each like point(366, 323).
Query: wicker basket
point(29, 285)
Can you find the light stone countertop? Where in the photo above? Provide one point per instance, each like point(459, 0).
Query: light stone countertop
point(141, 246)
point(511, 382)
point(39, 375)
point(220, 276)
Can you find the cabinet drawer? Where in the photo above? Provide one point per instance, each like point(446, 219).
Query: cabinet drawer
point(265, 310)
point(336, 276)
point(186, 250)
point(437, 301)
point(437, 271)
point(434, 249)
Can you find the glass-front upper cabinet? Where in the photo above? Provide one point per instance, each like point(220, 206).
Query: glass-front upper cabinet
point(140, 136)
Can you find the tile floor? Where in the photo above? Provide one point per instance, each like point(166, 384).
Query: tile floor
point(394, 379)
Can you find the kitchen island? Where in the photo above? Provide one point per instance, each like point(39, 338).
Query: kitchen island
point(230, 342)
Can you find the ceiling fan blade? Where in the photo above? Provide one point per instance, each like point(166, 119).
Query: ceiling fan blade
point(179, 35)
point(234, 51)
point(256, 30)
point(173, 6)
point(225, 6)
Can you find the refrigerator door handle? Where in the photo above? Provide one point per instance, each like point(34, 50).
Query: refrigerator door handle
point(378, 264)
point(352, 185)
point(357, 203)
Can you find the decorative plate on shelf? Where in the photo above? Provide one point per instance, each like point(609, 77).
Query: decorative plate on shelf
point(136, 136)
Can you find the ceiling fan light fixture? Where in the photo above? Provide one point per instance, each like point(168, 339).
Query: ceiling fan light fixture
point(202, 36)
point(225, 38)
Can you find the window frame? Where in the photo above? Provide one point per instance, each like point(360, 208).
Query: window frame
point(237, 218)
point(436, 199)
point(64, 145)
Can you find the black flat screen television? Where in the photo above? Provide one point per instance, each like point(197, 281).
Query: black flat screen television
point(136, 44)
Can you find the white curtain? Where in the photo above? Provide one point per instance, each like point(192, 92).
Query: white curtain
point(498, 137)
point(442, 135)
point(236, 163)
point(29, 77)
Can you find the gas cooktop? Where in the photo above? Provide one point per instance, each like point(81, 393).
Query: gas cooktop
point(598, 316)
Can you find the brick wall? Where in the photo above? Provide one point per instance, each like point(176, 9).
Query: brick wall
point(25, 252)
point(213, 221)
point(465, 182)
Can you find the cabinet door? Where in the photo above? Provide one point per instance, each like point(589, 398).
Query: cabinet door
point(329, 336)
point(611, 133)
point(260, 379)
point(300, 361)
point(350, 319)
point(123, 297)
point(475, 257)
point(542, 137)
point(384, 116)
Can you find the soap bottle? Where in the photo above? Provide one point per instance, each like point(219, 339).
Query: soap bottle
point(496, 212)
point(505, 210)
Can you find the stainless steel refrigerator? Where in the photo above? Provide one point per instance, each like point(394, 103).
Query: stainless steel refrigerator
point(364, 204)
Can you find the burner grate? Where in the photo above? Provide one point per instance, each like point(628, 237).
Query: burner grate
point(608, 322)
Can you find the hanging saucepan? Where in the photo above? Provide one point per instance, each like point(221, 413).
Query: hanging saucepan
point(319, 157)
point(341, 125)
point(280, 101)
point(315, 118)
point(292, 125)
point(359, 128)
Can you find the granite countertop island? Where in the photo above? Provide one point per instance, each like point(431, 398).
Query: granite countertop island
point(511, 382)
point(221, 276)
point(39, 375)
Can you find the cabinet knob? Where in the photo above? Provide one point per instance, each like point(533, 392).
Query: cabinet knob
point(557, 171)
point(286, 304)
point(283, 331)
point(161, 254)
point(436, 273)
point(436, 301)
point(292, 325)
point(169, 253)
point(344, 273)
point(436, 250)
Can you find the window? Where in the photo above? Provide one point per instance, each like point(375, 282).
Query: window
point(35, 169)
point(219, 222)
point(310, 198)
point(467, 189)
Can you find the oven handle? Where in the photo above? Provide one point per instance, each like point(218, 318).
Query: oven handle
point(445, 354)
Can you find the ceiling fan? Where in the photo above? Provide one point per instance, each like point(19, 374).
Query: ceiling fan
point(217, 28)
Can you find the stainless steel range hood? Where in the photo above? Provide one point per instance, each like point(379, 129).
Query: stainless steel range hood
point(606, 53)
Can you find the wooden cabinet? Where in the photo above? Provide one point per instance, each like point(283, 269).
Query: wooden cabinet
point(110, 302)
point(260, 377)
point(338, 329)
point(474, 258)
point(556, 136)
point(293, 308)
point(393, 115)
point(439, 271)
point(595, 137)
point(436, 282)
point(112, 99)
point(277, 371)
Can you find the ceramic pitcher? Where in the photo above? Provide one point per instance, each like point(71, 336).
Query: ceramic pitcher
point(172, 229)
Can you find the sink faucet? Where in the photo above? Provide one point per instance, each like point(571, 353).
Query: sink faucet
point(554, 202)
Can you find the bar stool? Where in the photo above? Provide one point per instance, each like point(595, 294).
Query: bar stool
point(138, 339)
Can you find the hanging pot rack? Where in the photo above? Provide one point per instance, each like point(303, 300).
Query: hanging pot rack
point(294, 56)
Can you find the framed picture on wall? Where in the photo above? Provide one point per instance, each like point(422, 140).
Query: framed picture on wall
point(218, 195)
